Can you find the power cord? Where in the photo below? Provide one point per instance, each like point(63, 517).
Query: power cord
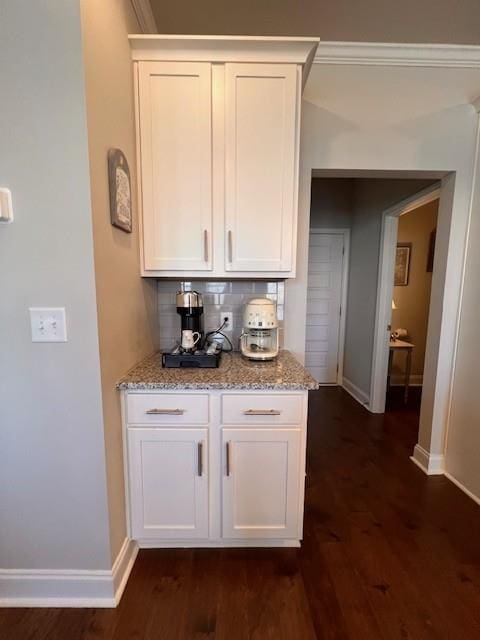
point(218, 332)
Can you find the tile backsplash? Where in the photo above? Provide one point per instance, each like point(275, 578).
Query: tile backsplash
point(218, 297)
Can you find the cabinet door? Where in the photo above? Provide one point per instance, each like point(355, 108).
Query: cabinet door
point(261, 483)
point(261, 166)
point(168, 483)
point(176, 165)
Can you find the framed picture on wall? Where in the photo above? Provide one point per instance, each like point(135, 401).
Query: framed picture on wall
point(120, 190)
point(402, 263)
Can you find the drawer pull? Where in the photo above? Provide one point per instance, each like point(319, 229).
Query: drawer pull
point(227, 458)
point(262, 412)
point(165, 412)
point(200, 458)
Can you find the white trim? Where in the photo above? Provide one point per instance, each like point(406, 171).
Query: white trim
point(145, 17)
point(345, 271)
point(463, 488)
point(68, 587)
point(383, 313)
point(433, 464)
point(420, 199)
point(398, 54)
point(356, 393)
point(122, 567)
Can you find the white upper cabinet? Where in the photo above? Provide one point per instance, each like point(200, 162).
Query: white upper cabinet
point(176, 165)
point(218, 122)
point(261, 107)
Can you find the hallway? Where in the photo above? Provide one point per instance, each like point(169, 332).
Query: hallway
point(388, 553)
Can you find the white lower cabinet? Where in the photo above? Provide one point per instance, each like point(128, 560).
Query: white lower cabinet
point(219, 484)
point(261, 483)
point(168, 482)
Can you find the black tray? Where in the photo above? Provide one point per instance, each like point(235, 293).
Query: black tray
point(191, 360)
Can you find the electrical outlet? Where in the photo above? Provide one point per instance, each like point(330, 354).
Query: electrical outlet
point(229, 323)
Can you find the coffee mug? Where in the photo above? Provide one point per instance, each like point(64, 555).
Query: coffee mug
point(188, 338)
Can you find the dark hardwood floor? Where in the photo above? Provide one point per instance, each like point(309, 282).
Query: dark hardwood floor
point(388, 553)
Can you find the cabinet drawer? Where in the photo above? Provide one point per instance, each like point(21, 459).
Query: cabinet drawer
point(262, 408)
point(167, 408)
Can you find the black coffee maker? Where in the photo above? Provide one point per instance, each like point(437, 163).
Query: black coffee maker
point(190, 308)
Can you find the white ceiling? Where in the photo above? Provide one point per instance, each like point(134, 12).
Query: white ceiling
point(399, 91)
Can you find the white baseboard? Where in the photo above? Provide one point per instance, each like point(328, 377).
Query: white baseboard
point(398, 380)
point(359, 395)
point(462, 487)
point(122, 567)
point(433, 464)
point(68, 587)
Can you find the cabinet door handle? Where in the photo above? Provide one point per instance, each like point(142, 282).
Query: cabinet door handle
point(165, 412)
point(227, 458)
point(262, 412)
point(230, 247)
point(200, 458)
point(205, 245)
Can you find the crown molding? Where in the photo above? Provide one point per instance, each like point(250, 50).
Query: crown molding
point(221, 49)
point(145, 17)
point(391, 54)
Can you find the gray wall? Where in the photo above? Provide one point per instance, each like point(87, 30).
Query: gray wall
point(371, 198)
point(53, 501)
point(331, 203)
point(450, 21)
point(463, 439)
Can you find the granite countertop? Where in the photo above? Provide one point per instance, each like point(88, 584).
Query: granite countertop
point(234, 372)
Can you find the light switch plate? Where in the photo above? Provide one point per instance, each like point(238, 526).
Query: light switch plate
point(48, 324)
point(6, 210)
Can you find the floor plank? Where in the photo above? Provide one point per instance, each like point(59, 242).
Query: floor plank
point(388, 554)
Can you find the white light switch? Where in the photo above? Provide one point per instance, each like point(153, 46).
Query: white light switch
point(6, 210)
point(48, 324)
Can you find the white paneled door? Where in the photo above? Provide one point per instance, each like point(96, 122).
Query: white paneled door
point(175, 119)
point(324, 299)
point(261, 483)
point(260, 166)
point(168, 478)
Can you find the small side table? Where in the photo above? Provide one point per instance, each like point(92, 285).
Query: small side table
point(400, 345)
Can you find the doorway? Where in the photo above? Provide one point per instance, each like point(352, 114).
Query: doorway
point(362, 200)
point(415, 251)
point(402, 293)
